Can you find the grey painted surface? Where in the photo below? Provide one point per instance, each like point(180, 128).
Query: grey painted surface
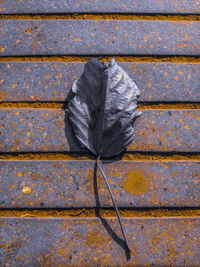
point(46, 130)
point(51, 81)
point(53, 241)
point(99, 37)
point(112, 6)
point(71, 184)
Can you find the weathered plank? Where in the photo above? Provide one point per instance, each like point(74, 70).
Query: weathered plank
point(99, 37)
point(158, 241)
point(51, 81)
point(74, 6)
point(46, 130)
point(53, 184)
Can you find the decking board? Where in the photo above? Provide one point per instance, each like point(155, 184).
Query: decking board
point(98, 6)
point(73, 184)
point(99, 37)
point(27, 130)
point(51, 81)
point(53, 241)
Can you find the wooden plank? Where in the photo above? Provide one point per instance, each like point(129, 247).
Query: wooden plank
point(112, 6)
point(99, 37)
point(55, 184)
point(46, 130)
point(51, 81)
point(51, 241)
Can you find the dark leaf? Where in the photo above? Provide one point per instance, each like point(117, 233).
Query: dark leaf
point(102, 108)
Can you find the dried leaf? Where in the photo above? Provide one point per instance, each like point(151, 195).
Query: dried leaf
point(102, 108)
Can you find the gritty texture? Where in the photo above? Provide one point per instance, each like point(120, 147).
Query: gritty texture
point(162, 242)
point(112, 6)
point(134, 184)
point(51, 81)
point(99, 37)
point(45, 130)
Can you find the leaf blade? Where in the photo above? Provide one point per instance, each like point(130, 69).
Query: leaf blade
point(120, 111)
point(103, 108)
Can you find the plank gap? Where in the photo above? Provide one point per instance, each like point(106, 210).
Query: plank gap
point(122, 58)
point(103, 212)
point(62, 105)
point(129, 156)
point(102, 16)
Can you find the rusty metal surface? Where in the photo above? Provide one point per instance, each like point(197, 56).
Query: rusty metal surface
point(45, 130)
point(73, 184)
point(99, 37)
point(51, 81)
point(86, 242)
point(74, 6)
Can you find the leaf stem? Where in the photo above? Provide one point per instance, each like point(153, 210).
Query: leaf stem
point(114, 203)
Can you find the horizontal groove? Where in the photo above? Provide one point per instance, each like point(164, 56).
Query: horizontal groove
point(168, 105)
point(129, 156)
point(32, 105)
point(105, 16)
point(103, 212)
point(107, 58)
point(141, 105)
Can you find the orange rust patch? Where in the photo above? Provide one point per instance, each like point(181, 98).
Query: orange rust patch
point(135, 184)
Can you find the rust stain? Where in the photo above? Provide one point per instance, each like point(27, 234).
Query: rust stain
point(135, 183)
